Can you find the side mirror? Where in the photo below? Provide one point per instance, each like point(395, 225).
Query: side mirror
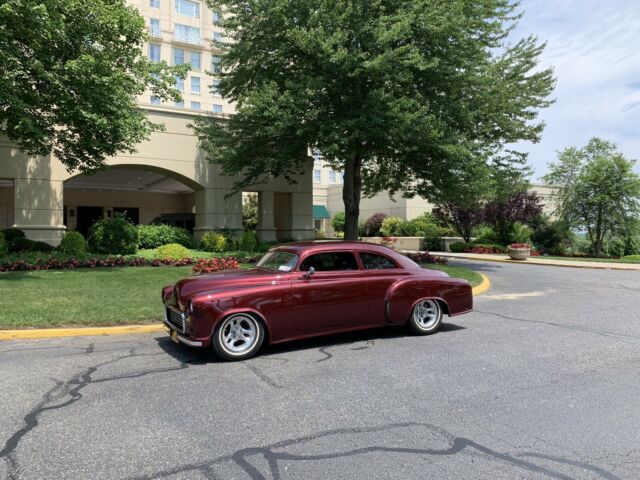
point(309, 273)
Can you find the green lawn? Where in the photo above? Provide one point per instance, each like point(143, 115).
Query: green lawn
point(101, 296)
point(474, 278)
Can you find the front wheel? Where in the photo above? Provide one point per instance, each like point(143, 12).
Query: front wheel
point(426, 317)
point(238, 337)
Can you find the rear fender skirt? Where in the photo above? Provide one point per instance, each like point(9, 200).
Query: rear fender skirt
point(404, 294)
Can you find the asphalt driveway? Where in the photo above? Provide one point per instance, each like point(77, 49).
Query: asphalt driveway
point(541, 381)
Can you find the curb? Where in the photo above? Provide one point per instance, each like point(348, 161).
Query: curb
point(78, 332)
point(131, 329)
point(535, 264)
point(483, 287)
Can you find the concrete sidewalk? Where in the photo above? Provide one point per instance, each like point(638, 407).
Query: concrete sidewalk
point(540, 261)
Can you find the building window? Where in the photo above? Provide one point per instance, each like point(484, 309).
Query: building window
point(154, 52)
point(217, 108)
point(317, 156)
point(195, 84)
point(332, 176)
point(180, 104)
point(216, 17)
point(154, 27)
point(180, 84)
point(178, 56)
point(317, 176)
point(217, 36)
point(215, 64)
point(215, 87)
point(188, 8)
point(154, 3)
point(195, 105)
point(195, 60)
point(155, 100)
point(187, 34)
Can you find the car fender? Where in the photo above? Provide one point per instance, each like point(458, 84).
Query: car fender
point(402, 296)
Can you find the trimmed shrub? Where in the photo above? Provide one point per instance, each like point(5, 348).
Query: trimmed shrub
point(391, 226)
point(432, 238)
point(11, 234)
point(248, 242)
point(459, 247)
point(485, 234)
point(215, 242)
point(338, 222)
point(114, 236)
point(373, 224)
point(153, 236)
point(265, 246)
point(3, 245)
point(73, 243)
point(173, 251)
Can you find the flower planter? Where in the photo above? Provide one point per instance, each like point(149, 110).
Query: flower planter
point(518, 253)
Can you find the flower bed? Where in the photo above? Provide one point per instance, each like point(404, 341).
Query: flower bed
point(209, 265)
point(426, 257)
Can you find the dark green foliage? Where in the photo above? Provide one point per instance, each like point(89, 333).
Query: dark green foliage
point(401, 96)
point(72, 72)
point(338, 222)
point(73, 243)
point(152, 236)
point(248, 242)
point(10, 234)
point(459, 247)
point(551, 237)
point(3, 244)
point(265, 246)
point(114, 236)
point(485, 234)
point(23, 244)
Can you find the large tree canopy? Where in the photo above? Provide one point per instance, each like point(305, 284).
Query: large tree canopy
point(401, 95)
point(598, 190)
point(70, 75)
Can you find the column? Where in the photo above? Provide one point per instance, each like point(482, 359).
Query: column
point(38, 209)
point(217, 211)
point(266, 227)
point(302, 216)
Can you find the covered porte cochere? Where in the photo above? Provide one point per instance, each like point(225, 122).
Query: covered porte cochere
point(167, 177)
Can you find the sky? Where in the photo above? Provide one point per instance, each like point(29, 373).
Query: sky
point(594, 48)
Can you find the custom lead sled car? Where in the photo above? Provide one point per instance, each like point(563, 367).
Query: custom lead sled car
point(300, 290)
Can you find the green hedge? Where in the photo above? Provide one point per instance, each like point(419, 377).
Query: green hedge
point(153, 236)
point(73, 243)
point(115, 236)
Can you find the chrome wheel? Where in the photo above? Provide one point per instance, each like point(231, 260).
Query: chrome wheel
point(427, 315)
point(239, 334)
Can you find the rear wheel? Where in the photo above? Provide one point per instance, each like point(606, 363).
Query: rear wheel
point(426, 317)
point(238, 337)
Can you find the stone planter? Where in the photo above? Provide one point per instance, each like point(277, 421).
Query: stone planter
point(518, 253)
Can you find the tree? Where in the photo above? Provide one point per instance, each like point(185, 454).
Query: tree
point(503, 212)
point(598, 190)
point(338, 222)
point(463, 219)
point(402, 96)
point(70, 75)
point(250, 212)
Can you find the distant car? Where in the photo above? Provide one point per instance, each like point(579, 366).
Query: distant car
point(300, 290)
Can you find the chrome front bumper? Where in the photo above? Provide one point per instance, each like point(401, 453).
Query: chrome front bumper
point(178, 335)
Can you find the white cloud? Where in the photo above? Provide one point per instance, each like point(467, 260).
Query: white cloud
point(594, 47)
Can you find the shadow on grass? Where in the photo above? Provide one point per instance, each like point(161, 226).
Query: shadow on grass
point(199, 356)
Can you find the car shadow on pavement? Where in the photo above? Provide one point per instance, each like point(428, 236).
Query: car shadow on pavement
point(361, 340)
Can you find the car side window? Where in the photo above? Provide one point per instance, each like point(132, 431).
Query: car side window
point(371, 261)
point(330, 262)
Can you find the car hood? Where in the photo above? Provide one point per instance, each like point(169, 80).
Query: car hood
point(186, 288)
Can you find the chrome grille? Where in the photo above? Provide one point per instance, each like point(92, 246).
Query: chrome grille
point(175, 319)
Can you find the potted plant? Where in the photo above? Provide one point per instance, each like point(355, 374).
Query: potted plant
point(519, 251)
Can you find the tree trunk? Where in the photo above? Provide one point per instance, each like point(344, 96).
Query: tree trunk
point(351, 193)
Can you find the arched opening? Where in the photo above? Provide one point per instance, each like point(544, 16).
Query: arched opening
point(143, 194)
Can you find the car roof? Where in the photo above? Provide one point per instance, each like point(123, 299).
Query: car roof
point(301, 248)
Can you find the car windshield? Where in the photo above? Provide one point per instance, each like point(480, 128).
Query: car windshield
point(282, 261)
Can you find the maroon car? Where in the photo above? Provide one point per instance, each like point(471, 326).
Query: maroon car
point(300, 290)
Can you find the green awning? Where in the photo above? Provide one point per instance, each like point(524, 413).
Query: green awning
point(320, 211)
